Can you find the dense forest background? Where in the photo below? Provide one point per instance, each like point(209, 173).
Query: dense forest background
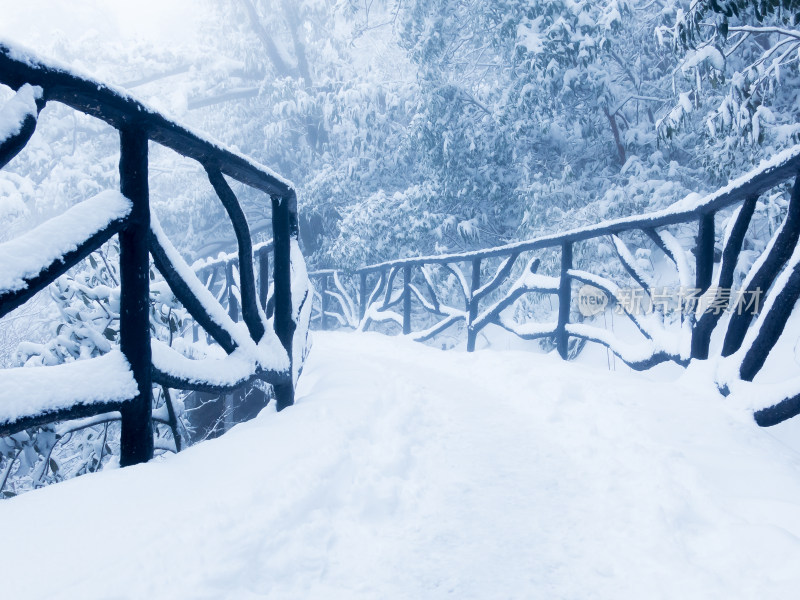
point(414, 126)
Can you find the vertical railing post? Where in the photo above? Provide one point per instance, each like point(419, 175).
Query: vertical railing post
point(195, 327)
point(323, 293)
point(704, 252)
point(564, 300)
point(786, 239)
point(704, 272)
point(282, 230)
point(246, 280)
point(362, 295)
point(406, 299)
point(263, 276)
point(472, 335)
point(233, 304)
point(136, 440)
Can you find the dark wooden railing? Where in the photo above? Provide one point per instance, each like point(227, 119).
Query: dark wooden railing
point(498, 278)
point(219, 275)
point(140, 237)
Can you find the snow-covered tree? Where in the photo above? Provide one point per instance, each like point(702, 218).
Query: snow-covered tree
point(738, 78)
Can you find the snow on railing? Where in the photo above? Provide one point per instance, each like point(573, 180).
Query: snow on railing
point(38, 253)
point(677, 323)
point(18, 119)
point(262, 349)
point(86, 387)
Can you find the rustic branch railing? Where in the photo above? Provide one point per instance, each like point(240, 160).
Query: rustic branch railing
point(271, 351)
point(416, 285)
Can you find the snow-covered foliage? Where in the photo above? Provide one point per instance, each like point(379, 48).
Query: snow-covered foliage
point(737, 77)
point(421, 127)
point(444, 126)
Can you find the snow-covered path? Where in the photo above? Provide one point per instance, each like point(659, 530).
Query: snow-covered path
point(406, 472)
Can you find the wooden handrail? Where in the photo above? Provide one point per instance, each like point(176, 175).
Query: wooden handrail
point(139, 238)
point(776, 276)
point(120, 110)
point(754, 183)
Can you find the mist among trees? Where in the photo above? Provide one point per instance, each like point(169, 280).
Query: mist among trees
point(416, 127)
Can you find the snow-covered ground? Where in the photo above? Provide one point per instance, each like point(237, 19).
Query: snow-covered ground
point(407, 472)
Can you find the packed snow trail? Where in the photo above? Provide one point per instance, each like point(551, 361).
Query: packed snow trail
point(407, 472)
